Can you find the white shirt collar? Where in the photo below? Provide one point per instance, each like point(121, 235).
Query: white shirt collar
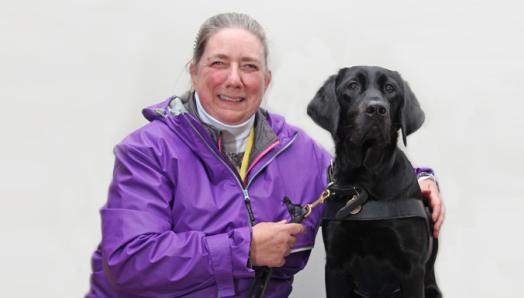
point(234, 137)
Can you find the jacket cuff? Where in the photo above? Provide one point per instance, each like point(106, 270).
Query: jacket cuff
point(424, 173)
point(220, 255)
point(241, 246)
point(229, 254)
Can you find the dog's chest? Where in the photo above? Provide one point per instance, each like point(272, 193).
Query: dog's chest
point(378, 245)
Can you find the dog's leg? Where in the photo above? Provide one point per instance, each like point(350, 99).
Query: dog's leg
point(338, 285)
point(430, 284)
point(413, 286)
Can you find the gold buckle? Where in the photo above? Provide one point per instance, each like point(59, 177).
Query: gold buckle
point(309, 207)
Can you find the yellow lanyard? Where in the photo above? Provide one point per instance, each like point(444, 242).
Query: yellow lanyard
point(247, 153)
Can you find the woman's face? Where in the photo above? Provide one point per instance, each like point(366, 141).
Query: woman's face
point(231, 77)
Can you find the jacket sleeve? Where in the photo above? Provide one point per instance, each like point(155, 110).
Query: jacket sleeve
point(320, 161)
point(142, 255)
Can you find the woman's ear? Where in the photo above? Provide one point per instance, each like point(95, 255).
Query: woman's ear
point(193, 73)
point(267, 79)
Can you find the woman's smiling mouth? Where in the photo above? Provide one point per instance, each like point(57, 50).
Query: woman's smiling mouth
point(230, 98)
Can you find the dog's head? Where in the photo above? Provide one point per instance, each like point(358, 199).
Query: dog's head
point(367, 105)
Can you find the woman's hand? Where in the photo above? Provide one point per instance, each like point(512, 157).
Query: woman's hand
point(431, 193)
point(272, 242)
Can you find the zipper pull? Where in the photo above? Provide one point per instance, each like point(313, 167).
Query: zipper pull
point(248, 206)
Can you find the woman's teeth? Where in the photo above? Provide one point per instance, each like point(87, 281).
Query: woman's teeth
point(227, 98)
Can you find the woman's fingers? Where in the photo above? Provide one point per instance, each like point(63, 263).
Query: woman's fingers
point(273, 241)
point(431, 193)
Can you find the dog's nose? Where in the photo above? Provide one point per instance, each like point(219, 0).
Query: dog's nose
point(376, 109)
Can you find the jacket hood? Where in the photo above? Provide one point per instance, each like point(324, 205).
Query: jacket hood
point(158, 110)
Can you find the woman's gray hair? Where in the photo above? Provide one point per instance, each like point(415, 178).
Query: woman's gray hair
point(223, 21)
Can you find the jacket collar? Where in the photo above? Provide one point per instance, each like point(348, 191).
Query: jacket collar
point(265, 136)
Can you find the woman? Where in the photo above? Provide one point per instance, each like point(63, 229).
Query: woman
point(196, 197)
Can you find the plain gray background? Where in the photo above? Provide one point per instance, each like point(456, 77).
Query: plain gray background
point(75, 74)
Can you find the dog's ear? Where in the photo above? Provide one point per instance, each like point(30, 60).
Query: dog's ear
point(324, 108)
point(411, 114)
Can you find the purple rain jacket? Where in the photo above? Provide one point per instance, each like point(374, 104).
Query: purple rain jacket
point(176, 223)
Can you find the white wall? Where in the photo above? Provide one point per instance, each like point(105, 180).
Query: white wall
point(75, 74)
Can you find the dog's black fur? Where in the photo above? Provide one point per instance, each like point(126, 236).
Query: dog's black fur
point(364, 108)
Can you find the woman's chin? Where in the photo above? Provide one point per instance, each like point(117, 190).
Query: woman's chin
point(233, 117)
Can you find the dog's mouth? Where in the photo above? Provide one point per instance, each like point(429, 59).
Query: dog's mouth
point(374, 135)
point(368, 144)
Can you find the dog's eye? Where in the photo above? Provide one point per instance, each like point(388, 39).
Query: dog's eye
point(353, 86)
point(389, 88)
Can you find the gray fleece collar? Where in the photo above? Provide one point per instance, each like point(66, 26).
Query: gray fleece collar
point(264, 134)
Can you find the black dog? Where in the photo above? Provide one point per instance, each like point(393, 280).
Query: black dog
point(382, 247)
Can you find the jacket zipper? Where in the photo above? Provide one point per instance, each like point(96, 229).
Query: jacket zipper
point(247, 200)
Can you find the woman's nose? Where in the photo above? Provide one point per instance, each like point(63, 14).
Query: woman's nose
point(234, 78)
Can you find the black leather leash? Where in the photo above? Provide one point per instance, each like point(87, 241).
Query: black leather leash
point(259, 285)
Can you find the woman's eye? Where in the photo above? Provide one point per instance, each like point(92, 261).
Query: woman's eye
point(389, 88)
point(353, 86)
point(217, 63)
point(250, 67)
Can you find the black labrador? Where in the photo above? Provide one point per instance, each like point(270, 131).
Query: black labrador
point(383, 247)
